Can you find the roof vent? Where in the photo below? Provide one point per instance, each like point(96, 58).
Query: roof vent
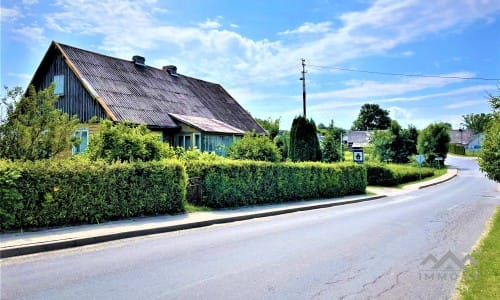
point(139, 60)
point(172, 70)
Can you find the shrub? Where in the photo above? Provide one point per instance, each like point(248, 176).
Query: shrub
point(457, 149)
point(392, 174)
point(240, 183)
point(433, 141)
point(77, 191)
point(254, 147)
point(127, 142)
point(304, 144)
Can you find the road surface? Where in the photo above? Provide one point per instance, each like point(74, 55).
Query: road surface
point(399, 247)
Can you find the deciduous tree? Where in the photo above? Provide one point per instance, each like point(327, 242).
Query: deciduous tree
point(372, 117)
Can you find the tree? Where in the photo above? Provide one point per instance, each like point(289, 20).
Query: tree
point(434, 141)
point(372, 117)
point(254, 147)
point(283, 143)
point(127, 142)
point(331, 145)
point(34, 128)
point(272, 126)
point(304, 144)
point(395, 144)
point(477, 122)
point(489, 157)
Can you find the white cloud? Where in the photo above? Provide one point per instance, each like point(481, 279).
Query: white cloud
point(466, 103)
point(30, 2)
point(309, 27)
point(232, 25)
point(210, 24)
point(9, 14)
point(30, 34)
point(408, 53)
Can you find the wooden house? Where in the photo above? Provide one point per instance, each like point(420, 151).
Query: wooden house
point(183, 110)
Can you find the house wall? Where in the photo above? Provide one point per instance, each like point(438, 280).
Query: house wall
point(75, 100)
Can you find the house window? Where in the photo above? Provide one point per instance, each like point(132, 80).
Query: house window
point(218, 143)
point(59, 81)
point(82, 141)
point(189, 140)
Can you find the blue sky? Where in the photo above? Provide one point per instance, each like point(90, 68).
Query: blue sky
point(254, 48)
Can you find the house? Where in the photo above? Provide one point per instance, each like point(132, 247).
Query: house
point(358, 139)
point(183, 110)
point(467, 138)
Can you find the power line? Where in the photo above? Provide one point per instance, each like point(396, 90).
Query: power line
point(404, 74)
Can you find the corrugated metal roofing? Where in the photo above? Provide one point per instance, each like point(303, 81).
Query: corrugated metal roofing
point(207, 125)
point(143, 94)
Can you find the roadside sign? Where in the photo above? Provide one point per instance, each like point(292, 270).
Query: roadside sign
point(420, 159)
point(358, 155)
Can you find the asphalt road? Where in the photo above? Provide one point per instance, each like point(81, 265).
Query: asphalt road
point(367, 250)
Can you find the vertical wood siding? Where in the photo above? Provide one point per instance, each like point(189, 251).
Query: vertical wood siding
point(76, 100)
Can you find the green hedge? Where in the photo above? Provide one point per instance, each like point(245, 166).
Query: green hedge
point(50, 193)
point(393, 174)
point(457, 149)
point(241, 183)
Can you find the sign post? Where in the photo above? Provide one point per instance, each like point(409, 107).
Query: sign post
point(358, 155)
point(420, 159)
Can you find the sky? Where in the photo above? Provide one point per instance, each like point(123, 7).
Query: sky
point(254, 50)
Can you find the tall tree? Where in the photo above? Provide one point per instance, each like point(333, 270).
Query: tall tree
point(35, 128)
point(434, 141)
point(372, 117)
point(489, 157)
point(304, 144)
point(331, 145)
point(272, 126)
point(477, 122)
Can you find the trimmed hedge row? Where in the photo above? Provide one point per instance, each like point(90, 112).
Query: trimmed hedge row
point(392, 174)
point(50, 193)
point(240, 183)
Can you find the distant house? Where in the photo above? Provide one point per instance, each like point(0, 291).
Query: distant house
point(183, 110)
point(467, 138)
point(358, 139)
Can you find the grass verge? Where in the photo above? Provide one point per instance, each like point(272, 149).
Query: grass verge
point(482, 280)
point(191, 208)
point(437, 173)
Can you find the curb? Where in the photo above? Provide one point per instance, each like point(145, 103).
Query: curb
point(439, 182)
point(78, 242)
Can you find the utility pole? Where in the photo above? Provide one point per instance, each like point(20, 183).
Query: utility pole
point(303, 78)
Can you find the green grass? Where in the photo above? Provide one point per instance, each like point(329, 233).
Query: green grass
point(482, 281)
point(191, 208)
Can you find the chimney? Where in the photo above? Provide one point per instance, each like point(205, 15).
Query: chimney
point(172, 70)
point(139, 60)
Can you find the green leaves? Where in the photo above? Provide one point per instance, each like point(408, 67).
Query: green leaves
point(254, 147)
point(51, 193)
point(434, 141)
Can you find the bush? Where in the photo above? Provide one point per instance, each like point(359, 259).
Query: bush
point(254, 147)
point(241, 183)
point(434, 141)
point(127, 142)
point(392, 174)
point(457, 149)
point(304, 144)
point(76, 191)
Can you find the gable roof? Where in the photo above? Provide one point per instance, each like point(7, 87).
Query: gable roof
point(359, 138)
point(147, 95)
point(461, 136)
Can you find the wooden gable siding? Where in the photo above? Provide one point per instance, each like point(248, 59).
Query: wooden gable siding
point(76, 100)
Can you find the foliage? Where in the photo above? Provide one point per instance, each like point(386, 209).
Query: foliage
point(372, 117)
point(304, 144)
point(35, 129)
point(127, 142)
point(480, 281)
point(76, 191)
point(272, 126)
point(395, 144)
point(10, 204)
point(477, 122)
point(434, 141)
point(254, 147)
point(489, 158)
point(394, 174)
point(457, 149)
point(240, 183)
point(283, 143)
point(332, 150)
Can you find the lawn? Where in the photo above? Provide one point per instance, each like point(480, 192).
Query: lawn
point(482, 281)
